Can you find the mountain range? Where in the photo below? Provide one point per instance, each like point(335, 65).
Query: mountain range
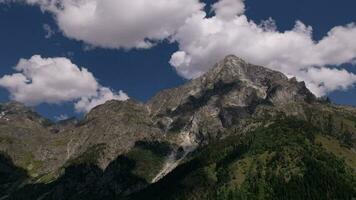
point(240, 131)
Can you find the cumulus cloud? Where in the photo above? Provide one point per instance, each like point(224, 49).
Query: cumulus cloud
point(48, 80)
point(104, 94)
point(119, 24)
point(228, 9)
point(205, 40)
point(322, 80)
point(54, 80)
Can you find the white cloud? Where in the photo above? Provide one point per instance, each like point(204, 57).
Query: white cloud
point(54, 80)
point(48, 80)
point(228, 9)
point(205, 40)
point(119, 24)
point(104, 94)
point(324, 80)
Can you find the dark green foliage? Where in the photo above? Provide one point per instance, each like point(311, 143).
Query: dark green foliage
point(10, 175)
point(346, 139)
point(149, 158)
point(83, 179)
point(158, 148)
point(353, 118)
point(90, 156)
point(87, 181)
point(330, 124)
point(282, 163)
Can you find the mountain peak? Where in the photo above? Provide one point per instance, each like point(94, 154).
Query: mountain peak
point(233, 68)
point(232, 82)
point(233, 59)
point(230, 66)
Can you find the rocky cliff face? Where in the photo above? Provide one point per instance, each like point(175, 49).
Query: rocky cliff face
point(229, 93)
point(120, 148)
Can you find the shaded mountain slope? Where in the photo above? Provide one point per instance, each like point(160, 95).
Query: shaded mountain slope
point(280, 161)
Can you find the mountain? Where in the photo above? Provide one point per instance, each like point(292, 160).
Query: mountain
point(240, 131)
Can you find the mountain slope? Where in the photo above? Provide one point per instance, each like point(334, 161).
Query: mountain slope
point(282, 160)
point(239, 131)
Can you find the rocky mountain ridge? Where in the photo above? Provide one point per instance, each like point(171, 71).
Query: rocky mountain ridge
point(119, 148)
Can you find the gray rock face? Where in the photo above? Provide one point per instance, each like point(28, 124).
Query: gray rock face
point(230, 99)
point(25, 136)
point(231, 91)
point(117, 125)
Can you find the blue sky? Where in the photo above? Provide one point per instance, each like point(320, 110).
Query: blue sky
point(141, 73)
